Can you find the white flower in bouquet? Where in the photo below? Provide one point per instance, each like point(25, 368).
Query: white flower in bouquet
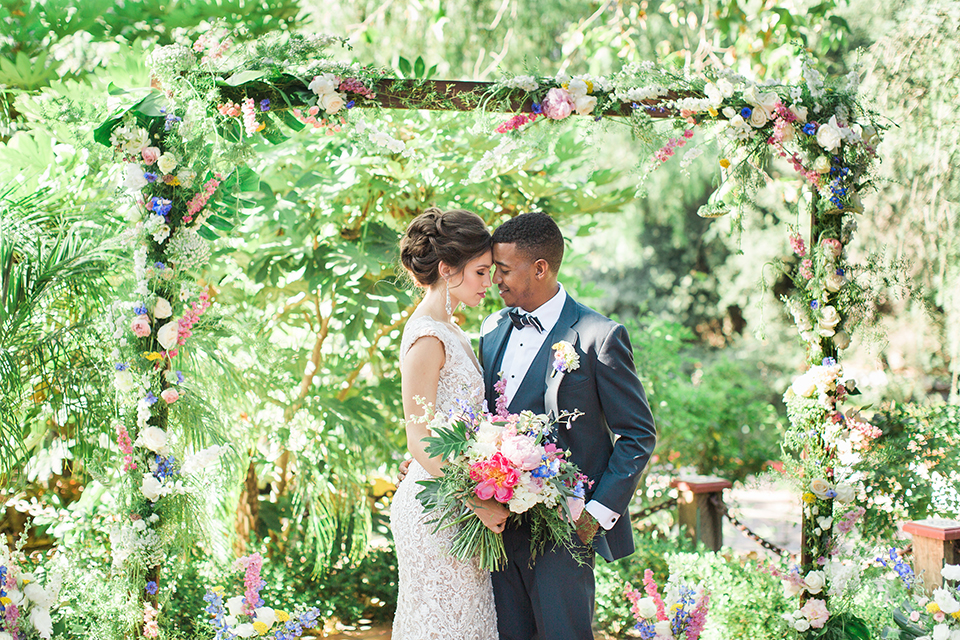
point(799, 111)
point(815, 581)
point(245, 630)
point(829, 319)
point(829, 135)
point(834, 282)
point(577, 88)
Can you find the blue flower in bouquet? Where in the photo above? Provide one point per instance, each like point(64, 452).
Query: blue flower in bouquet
point(160, 206)
point(265, 104)
point(548, 469)
point(829, 362)
point(746, 112)
point(140, 310)
point(152, 588)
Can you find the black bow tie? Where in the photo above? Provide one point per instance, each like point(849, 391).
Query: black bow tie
point(521, 320)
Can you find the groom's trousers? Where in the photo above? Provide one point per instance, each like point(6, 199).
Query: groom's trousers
point(551, 598)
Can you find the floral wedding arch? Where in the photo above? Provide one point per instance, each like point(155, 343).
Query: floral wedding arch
point(184, 145)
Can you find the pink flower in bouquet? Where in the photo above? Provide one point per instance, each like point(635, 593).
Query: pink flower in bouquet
point(141, 326)
point(558, 104)
point(497, 478)
point(522, 452)
point(170, 396)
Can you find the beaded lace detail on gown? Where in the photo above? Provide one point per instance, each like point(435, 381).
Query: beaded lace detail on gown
point(439, 596)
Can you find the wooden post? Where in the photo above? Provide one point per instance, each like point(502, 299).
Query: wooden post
point(935, 542)
point(698, 516)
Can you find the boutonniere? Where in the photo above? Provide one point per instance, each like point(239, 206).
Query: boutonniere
point(565, 358)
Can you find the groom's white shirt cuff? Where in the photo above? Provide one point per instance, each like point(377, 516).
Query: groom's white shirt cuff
point(604, 516)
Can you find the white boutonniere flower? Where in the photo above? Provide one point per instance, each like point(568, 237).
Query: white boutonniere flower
point(565, 358)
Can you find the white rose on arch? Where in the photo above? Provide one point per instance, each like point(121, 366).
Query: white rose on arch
point(332, 102)
point(153, 438)
point(758, 117)
point(167, 335)
point(845, 492)
point(151, 487)
point(323, 84)
point(804, 386)
point(819, 487)
point(829, 319)
point(834, 282)
point(829, 135)
point(585, 105)
point(577, 88)
point(815, 582)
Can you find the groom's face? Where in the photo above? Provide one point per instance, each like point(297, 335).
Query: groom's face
point(515, 276)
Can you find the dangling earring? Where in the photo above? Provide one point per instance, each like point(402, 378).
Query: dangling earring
point(449, 306)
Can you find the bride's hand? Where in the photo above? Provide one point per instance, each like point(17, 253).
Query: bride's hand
point(492, 514)
point(404, 469)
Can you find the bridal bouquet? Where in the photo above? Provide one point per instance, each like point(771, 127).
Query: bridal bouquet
point(505, 457)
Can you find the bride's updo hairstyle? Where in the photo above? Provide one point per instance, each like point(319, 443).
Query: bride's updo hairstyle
point(454, 237)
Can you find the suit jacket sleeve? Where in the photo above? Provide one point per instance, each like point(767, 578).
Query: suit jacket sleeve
point(625, 407)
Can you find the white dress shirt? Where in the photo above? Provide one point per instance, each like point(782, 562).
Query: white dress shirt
point(522, 347)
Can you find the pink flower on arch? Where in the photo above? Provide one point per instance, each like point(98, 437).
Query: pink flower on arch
point(558, 104)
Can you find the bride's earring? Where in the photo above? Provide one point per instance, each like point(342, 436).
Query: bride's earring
point(449, 306)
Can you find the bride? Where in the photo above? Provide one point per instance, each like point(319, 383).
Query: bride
point(448, 254)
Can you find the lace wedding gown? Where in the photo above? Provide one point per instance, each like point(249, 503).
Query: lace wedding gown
point(440, 597)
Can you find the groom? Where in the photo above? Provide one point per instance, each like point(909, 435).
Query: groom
point(553, 598)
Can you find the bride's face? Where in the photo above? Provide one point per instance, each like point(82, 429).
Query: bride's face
point(470, 285)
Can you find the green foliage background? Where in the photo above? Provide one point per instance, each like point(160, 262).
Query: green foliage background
point(300, 370)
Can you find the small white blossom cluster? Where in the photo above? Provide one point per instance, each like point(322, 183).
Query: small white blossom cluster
point(171, 59)
point(136, 541)
point(498, 158)
point(382, 138)
point(639, 94)
point(526, 83)
point(814, 79)
point(187, 250)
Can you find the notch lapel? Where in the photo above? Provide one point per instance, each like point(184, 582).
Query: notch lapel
point(494, 344)
point(562, 331)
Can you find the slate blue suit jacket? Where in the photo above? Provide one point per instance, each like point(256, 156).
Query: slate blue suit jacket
point(613, 440)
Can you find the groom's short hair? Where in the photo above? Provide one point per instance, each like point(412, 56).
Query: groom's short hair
point(535, 235)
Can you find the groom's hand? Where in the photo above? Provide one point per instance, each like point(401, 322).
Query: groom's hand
point(404, 468)
point(587, 527)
